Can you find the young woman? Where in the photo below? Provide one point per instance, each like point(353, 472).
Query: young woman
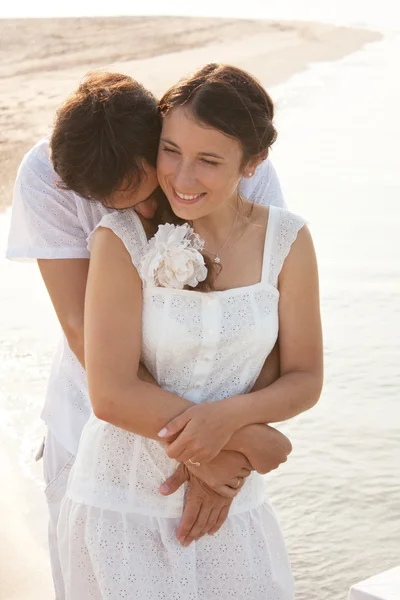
point(202, 307)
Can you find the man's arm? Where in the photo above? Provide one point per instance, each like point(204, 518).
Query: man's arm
point(46, 226)
point(270, 371)
point(65, 280)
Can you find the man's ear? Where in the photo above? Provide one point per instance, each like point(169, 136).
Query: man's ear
point(253, 163)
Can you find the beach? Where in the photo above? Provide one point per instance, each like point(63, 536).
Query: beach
point(336, 497)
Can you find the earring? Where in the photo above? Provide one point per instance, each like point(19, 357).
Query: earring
point(250, 174)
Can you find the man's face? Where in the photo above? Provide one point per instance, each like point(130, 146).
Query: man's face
point(142, 197)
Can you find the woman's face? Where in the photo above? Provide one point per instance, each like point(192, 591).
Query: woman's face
point(199, 168)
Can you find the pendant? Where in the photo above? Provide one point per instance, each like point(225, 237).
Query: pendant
point(217, 260)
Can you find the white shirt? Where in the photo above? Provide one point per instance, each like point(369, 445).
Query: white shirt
point(48, 222)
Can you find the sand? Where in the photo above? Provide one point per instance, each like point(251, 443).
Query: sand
point(41, 61)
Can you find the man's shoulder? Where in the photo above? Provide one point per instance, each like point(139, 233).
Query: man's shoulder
point(36, 175)
point(38, 157)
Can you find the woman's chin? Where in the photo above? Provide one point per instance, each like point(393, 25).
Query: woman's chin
point(188, 211)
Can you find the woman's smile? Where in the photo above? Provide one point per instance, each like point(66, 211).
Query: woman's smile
point(187, 198)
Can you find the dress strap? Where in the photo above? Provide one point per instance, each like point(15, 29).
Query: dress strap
point(282, 229)
point(128, 227)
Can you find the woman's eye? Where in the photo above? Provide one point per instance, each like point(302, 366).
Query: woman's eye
point(210, 162)
point(171, 150)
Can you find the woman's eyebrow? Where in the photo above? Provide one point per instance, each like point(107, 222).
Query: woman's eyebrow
point(211, 154)
point(167, 141)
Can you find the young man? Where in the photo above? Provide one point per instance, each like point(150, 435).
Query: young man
point(101, 157)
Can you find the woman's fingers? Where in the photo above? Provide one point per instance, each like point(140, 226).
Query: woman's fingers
point(185, 448)
point(174, 426)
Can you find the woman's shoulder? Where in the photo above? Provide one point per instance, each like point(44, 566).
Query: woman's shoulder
point(127, 226)
point(286, 222)
point(284, 229)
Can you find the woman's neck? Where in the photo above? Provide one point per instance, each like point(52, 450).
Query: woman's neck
point(215, 227)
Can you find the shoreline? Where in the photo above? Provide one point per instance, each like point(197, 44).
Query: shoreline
point(38, 75)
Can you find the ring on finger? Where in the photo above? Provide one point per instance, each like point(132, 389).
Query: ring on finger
point(194, 463)
point(238, 482)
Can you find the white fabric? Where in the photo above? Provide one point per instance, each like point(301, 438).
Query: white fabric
point(48, 222)
point(57, 463)
point(384, 586)
point(116, 532)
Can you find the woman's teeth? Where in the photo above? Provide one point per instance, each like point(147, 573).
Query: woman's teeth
point(187, 196)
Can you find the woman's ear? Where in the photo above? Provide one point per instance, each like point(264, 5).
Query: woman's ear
point(253, 163)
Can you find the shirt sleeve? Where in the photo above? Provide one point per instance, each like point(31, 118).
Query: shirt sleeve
point(44, 219)
point(264, 186)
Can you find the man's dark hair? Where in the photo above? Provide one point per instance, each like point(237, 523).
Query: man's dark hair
point(103, 134)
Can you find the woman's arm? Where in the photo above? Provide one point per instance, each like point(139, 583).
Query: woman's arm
point(300, 344)
point(113, 338)
point(203, 427)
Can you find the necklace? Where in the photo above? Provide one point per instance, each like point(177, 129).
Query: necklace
point(217, 258)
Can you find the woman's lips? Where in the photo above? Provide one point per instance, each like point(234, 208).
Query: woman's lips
point(187, 198)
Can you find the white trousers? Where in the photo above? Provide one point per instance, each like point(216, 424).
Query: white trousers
point(57, 463)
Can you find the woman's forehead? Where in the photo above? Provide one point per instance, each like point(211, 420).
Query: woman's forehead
point(182, 128)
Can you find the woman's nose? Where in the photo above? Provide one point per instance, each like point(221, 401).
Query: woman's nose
point(184, 177)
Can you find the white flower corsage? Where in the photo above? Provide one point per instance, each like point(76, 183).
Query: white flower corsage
point(173, 258)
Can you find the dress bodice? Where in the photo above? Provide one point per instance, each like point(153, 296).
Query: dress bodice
point(208, 346)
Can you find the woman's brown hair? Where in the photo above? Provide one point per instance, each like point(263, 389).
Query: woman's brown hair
point(230, 100)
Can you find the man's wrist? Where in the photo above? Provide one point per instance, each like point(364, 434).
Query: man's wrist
point(242, 441)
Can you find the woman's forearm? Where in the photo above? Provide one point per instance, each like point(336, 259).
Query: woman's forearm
point(142, 408)
point(290, 395)
point(147, 408)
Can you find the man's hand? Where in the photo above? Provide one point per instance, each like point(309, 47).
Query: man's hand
point(205, 511)
point(225, 474)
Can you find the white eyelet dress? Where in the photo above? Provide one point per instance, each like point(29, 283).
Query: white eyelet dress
point(117, 534)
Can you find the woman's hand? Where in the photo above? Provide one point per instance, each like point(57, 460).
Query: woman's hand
point(199, 433)
point(205, 511)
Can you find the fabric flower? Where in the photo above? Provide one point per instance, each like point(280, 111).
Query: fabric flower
point(173, 258)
